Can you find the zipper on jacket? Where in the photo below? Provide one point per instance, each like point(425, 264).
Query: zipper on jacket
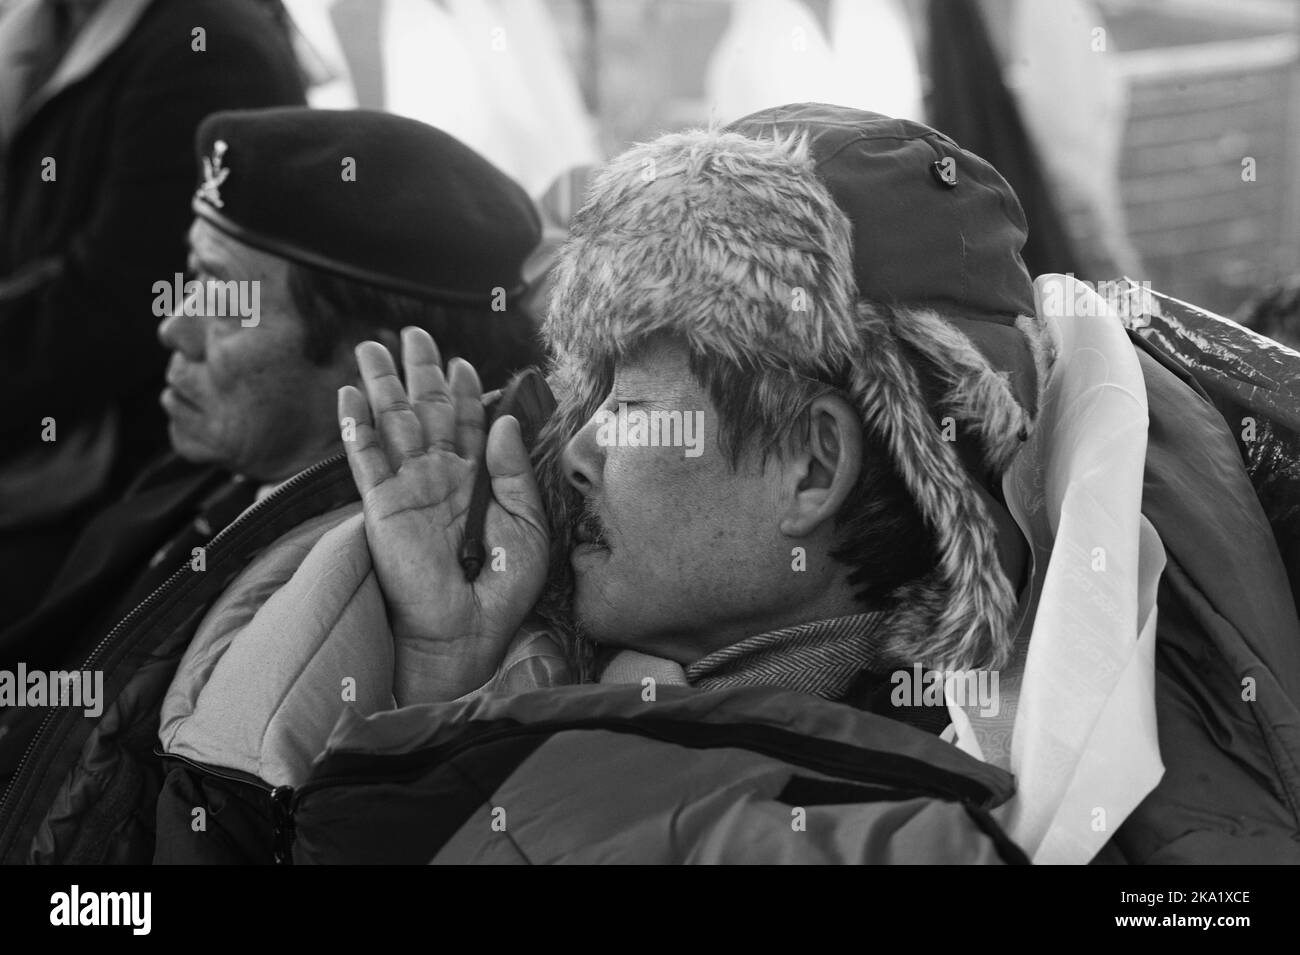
point(281, 797)
point(282, 831)
point(14, 790)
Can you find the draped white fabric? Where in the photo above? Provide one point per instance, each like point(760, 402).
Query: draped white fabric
point(1081, 701)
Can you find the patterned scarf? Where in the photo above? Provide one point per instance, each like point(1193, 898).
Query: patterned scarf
point(822, 658)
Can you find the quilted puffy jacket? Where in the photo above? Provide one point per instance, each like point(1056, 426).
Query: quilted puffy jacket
point(616, 774)
point(235, 673)
point(255, 699)
point(86, 790)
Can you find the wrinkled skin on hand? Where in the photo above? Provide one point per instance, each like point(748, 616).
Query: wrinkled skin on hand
point(414, 451)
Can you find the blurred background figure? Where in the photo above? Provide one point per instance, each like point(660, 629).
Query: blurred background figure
point(777, 51)
point(99, 102)
point(493, 73)
point(1154, 138)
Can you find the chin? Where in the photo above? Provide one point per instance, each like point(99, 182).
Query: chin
point(188, 448)
point(609, 625)
point(618, 606)
point(597, 621)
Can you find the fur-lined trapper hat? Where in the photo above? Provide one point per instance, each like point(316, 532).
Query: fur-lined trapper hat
point(837, 245)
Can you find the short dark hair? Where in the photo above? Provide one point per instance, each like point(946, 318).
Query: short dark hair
point(337, 312)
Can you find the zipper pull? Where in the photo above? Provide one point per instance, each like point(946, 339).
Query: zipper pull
point(282, 824)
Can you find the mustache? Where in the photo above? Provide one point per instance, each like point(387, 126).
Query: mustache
point(588, 526)
point(580, 394)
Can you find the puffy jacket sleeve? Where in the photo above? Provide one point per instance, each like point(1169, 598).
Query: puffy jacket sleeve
point(262, 697)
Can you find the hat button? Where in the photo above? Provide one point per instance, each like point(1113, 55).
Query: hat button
point(945, 171)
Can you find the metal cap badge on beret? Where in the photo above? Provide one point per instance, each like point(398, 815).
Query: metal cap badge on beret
point(370, 196)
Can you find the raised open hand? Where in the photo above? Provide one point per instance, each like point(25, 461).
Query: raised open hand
point(414, 452)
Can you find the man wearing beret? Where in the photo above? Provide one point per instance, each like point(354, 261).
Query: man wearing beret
point(312, 230)
point(835, 295)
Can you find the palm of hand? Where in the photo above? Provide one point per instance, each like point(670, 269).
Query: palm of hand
point(414, 460)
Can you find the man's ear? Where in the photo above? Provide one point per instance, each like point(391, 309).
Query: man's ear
point(822, 470)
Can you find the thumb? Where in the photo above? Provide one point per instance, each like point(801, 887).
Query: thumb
point(514, 485)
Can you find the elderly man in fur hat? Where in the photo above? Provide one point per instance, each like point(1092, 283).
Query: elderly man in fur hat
point(838, 298)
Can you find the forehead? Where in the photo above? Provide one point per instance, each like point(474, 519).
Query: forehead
point(659, 356)
point(216, 250)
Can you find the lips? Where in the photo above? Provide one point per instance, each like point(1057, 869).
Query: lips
point(176, 393)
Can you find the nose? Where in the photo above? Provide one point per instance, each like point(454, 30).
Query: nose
point(182, 333)
point(583, 458)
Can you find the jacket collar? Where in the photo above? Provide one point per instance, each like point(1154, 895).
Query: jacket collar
point(821, 657)
point(105, 31)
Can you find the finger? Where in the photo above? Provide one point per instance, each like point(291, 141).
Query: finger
point(428, 389)
point(513, 483)
point(471, 417)
point(366, 459)
point(399, 429)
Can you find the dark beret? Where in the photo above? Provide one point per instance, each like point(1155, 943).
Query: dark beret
point(933, 224)
point(370, 196)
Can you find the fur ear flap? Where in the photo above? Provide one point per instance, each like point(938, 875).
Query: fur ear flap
point(976, 393)
point(964, 622)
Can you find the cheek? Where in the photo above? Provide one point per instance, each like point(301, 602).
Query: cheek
point(233, 363)
point(670, 512)
point(252, 366)
point(257, 393)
